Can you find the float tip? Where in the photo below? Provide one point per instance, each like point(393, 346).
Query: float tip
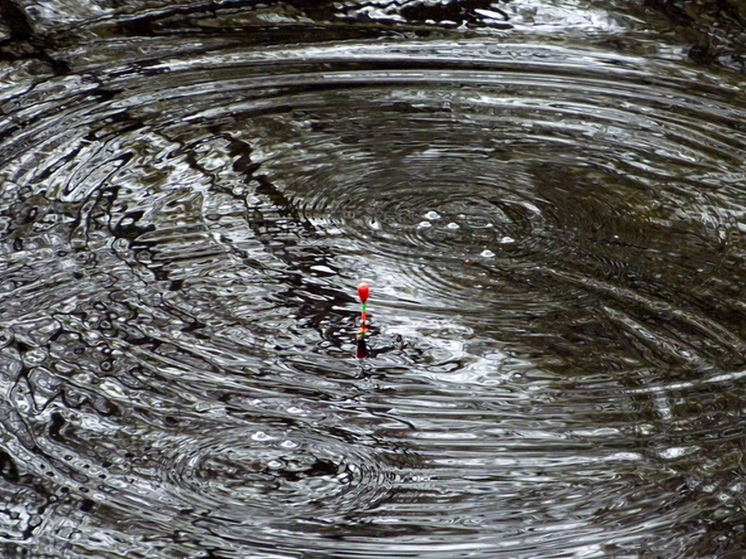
point(363, 291)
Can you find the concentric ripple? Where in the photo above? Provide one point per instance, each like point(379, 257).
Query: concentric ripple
point(553, 239)
point(305, 474)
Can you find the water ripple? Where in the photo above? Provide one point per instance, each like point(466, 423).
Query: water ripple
point(553, 237)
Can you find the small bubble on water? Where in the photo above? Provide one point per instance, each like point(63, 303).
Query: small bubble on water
point(424, 225)
point(453, 225)
point(486, 253)
point(431, 215)
point(507, 240)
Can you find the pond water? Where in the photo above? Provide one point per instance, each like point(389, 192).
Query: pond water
point(547, 199)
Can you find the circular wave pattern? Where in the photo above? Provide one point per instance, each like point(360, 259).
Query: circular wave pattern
point(306, 475)
point(553, 238)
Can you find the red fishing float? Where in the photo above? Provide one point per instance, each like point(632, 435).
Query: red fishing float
point(363, 290)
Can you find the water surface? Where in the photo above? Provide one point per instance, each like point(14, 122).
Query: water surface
point(546, 198)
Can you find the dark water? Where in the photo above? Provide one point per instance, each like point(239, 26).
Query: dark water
point(547, 198)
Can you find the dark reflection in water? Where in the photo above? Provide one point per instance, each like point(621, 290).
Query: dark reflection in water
point(547, 199)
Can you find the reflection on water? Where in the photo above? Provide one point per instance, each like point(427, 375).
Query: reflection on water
point(552, 232)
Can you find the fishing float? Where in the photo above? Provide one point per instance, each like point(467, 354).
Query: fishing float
point(363, 291)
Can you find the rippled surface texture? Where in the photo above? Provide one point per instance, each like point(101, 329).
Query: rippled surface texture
point(547, 199)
